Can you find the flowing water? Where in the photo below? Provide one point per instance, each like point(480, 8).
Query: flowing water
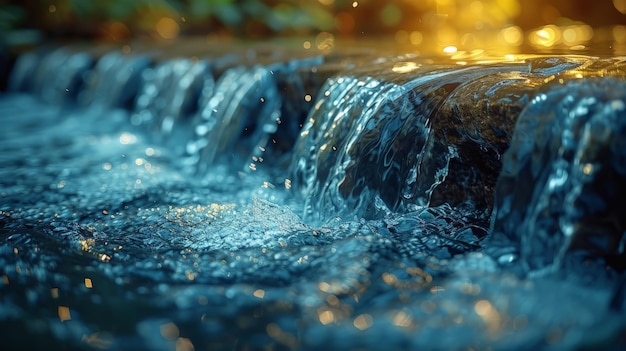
point(259, 201)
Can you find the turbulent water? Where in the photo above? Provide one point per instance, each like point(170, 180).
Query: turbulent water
point(306, 203)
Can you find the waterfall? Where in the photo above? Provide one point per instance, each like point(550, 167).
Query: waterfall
point(396, 135)
point(269, 199)
point(436, 136)
point(558, 190)
point(114, 82)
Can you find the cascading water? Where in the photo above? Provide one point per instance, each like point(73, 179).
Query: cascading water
point(566, 177)
point(425, 135)
point(155, 204)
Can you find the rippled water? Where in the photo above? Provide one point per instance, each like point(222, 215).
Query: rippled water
point(178, 224)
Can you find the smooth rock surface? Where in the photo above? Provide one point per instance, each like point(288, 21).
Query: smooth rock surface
point(406, 134)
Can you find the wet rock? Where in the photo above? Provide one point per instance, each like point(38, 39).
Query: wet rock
point(560, 194)
point(252, 115)
point(400, 135)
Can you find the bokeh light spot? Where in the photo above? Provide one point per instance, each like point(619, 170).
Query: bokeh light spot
point(620, 5)
point(169, 331)
point(450, 49)
point(363, 321)
point(325, 41)
point(512, 35)
point(416, 37)
point(619, 33)
point(167, 28)
point(64, 313)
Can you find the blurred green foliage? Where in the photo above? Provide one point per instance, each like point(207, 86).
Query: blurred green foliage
point(87, 17)
point(447, 20)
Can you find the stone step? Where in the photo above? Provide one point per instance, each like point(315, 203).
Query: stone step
point(353, 131)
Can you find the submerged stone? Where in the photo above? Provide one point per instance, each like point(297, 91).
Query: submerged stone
point(561, 189)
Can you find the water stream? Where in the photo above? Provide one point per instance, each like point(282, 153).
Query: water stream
point(258, 201)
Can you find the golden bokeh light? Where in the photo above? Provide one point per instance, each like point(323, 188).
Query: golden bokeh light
point(64, 313)
point(363, 321)
point(573, 36)
point(546, 36)
point(620, 5)
point(401, 319)
point(577, 34)
point(619, 33)
point(169, 331)
point(416, 37)
point(184, 344)
point(489, 314)
point(325, 41)
point(497, 25)
point(511, 35)
point(332, 300)
point(326, 316)
point(450, 49)
point(167, 28)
